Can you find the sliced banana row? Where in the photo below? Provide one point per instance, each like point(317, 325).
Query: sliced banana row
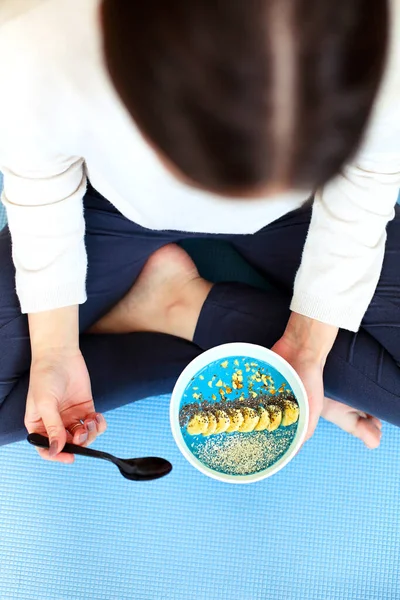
point(244, 419)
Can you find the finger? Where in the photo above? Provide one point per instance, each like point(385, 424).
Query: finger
point(77, 436)
point(312, 426)
point(91, 426)
point(65, 457)
point(62, 457)
point(95, 425)
point(101, 423)
point(77, 433)
point(54, 426)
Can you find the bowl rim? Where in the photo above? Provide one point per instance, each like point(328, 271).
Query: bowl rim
point(253, 351)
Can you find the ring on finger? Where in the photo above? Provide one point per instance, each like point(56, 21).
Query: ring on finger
point(72, 428)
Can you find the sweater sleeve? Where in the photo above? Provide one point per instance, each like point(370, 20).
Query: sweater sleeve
point(344, 250)
point(345, 246)
point(46, 221)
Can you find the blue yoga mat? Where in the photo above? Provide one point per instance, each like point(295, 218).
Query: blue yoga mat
point(325, 528)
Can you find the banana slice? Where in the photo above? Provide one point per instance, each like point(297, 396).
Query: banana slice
point(223, 421)
point(251, 418)
point(236, 418)
point(275, 417)
point(198, 424)
point(264, 421)
point(212, 424)
point(290, 413)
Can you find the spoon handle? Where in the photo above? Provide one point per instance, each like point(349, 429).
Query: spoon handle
point(43, 442)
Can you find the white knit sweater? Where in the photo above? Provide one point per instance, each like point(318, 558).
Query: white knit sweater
point(61, 121)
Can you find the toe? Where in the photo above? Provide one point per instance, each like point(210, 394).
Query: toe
point(378, 423)
point(368, 431)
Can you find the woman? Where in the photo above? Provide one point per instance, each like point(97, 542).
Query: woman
point(196, 119)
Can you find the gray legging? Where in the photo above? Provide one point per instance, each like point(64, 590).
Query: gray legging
point(362, 370)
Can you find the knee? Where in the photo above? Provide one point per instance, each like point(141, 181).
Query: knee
point(12, 412)
point(9, 303)
point(10, 437)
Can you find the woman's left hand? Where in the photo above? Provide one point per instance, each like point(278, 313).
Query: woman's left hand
point(305, 345)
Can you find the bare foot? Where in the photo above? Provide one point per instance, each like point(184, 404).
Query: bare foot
point(358, 423)
point(167, 297)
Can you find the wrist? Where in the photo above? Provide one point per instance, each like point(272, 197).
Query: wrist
point(54, 332)
point(312, 340)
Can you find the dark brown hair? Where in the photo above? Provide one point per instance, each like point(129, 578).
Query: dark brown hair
point(241, 94)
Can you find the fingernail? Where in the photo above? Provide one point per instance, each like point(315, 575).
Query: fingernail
point(91, 425)
point(53, 448)
point(99, 419)
point(82, 438)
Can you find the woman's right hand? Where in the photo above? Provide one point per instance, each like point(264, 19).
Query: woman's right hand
point(59, 397)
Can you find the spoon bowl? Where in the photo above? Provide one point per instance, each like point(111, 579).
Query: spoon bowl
point(134, 469)
point(144, 469)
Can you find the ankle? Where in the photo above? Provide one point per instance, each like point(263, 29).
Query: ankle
point(182, 314)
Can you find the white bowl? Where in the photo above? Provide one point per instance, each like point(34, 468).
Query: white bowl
point(255, 352)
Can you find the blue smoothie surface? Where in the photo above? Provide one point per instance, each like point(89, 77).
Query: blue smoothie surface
point(237, 379)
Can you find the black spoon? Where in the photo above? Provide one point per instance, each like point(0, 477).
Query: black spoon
point(135, 469)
